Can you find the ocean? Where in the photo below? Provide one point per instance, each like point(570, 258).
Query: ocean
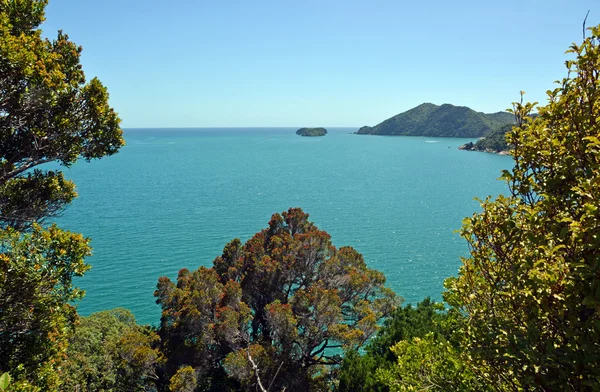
point(172, 198)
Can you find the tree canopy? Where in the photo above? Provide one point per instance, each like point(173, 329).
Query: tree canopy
point(48, 113)
point(530, 289)
point(110, 352)
point(278, 308)
point(359, 373)
point(36, 272)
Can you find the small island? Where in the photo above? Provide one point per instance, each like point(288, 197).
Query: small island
point(311, 132)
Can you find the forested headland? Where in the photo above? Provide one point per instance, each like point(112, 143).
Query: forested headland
point(287, 310)
point(494, 142)
point(446, 120)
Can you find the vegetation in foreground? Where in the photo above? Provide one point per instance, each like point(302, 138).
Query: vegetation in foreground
point(287, 310)
point(48, 113)
point(272, 310)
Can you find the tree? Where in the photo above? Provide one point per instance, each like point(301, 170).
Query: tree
point(36, 272)
point(47, 114)
point(530, 289)
point(184, 380)
point(428, 364)
point(110, 352)
point(275, 308)
point(360, 372)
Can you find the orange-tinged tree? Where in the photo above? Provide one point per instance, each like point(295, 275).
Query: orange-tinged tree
point(278, 308)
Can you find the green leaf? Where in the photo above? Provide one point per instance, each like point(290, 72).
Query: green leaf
point(4, 382)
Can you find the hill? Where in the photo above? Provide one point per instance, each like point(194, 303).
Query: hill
point(440, 121)
point(311, 132)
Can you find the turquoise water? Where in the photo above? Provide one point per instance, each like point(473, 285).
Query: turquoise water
point(173, 198)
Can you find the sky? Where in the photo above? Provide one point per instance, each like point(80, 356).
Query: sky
point(276, 63)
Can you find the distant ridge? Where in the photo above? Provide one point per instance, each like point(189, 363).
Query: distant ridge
point(446, 120)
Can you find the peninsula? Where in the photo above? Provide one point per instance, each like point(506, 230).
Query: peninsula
point(446, 120)
point(311, 132)
point(494, 142)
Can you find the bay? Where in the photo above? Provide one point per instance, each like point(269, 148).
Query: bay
point(172, 198)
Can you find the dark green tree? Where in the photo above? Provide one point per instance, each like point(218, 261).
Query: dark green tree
point(530, 289)
point(358, 373)
point(274, 310)
point(110, 352)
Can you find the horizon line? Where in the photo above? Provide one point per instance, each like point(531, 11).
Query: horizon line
point(234, 127)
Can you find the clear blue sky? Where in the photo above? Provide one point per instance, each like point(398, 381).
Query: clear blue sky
point(297, 63)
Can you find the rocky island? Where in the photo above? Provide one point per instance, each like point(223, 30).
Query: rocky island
point(311, 132)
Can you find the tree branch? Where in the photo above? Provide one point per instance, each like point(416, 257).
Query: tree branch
point(7, 176)
point(584, 20)
point(255, 368)
point(275, 376)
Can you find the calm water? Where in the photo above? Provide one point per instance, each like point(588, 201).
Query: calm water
point(173, 198)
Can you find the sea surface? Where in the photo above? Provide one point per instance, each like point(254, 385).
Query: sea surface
point(172, 198)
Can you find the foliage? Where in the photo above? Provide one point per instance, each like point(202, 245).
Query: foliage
point(428, 364)
point(47, 113)
point(5, 382)
point(311, 132)
point(439, 121)
point(287, 298)
point(110, 352)
point(407, 323)
point(495, 141)
point(358, 372)
point(36, 272)
point(530, 289)
point(184, 380)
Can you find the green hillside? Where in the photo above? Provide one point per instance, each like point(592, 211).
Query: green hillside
point(495, 141)
point(439, 121)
